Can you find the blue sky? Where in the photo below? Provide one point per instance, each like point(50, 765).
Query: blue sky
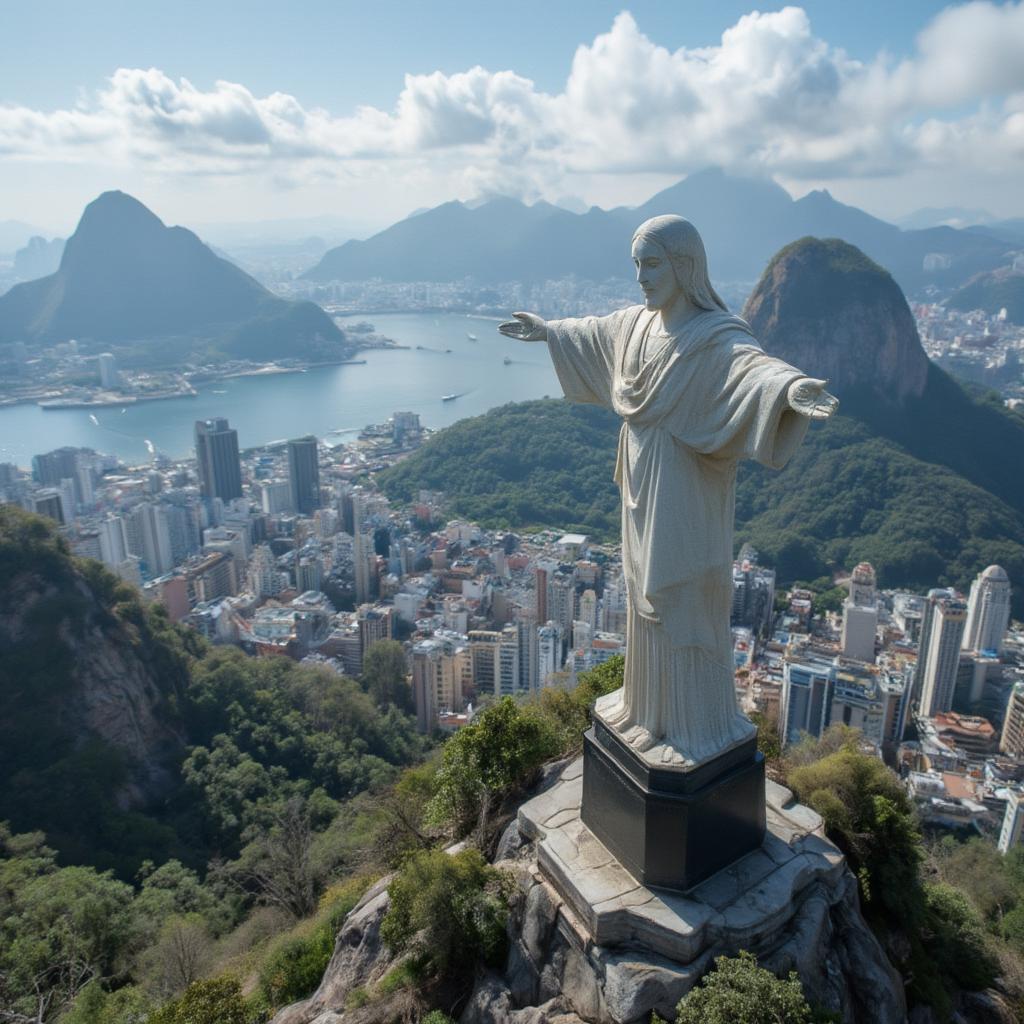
point(229, 112)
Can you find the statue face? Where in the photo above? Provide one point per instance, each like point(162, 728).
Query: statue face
point(654, 274)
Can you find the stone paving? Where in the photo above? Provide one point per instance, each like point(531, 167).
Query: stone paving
point(737, 908)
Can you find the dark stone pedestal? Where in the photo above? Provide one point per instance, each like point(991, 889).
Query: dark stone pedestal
point(672, 827)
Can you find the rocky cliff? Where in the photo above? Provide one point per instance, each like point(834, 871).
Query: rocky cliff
point(823, 306)
point(87, 688)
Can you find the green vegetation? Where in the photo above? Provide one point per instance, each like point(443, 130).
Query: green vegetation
point(447, 913)
point(737, 991)
point(868, 814)
point(498, 756)
point(293, 966)
point(922, 494)
point(543, 463)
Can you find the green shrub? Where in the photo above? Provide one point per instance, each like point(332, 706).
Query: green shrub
point(217, 1001)
point(437, 1017)
point(497, 754)
point(293, 968)
point(449, 911)
point(955, 938)
point(737, 991)
point(868, 815)
point(569, 711)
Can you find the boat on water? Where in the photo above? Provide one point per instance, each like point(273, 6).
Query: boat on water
point(507, 361)
point(448, 398)
point(472, 337)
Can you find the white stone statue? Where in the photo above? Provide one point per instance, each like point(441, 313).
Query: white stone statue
point(696, 394)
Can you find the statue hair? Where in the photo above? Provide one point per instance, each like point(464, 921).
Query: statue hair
point(682, 245)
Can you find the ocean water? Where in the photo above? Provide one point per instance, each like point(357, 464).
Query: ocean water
point(331, 402)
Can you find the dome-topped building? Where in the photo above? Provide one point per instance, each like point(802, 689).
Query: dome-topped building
point(988, 610)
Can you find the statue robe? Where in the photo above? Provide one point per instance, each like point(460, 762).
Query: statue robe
point(693, 404)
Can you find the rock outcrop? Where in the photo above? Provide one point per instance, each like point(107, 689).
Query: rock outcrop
point(79, 668)
point(611, 951)
point(822, 305)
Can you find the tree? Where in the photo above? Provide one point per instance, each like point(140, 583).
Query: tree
point(868, 815)
point(498, 753)
point(738, 991)
point(63, 929)
point(385, 675)
point(217, 1001)
point(179, 956)
point(280, 864)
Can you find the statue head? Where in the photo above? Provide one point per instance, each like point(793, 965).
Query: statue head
point(681, 245)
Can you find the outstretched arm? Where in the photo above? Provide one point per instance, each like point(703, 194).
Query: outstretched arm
point(808, 397)
point(525, 327)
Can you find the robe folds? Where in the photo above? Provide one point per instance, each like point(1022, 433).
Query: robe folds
point(692, 405)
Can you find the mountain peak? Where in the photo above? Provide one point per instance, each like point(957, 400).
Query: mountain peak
point(824, 306)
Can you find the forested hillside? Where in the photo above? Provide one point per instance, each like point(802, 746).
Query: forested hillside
point(850, 494)
point(125, 738)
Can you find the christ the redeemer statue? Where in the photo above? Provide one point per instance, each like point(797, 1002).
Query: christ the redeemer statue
point(696, 394)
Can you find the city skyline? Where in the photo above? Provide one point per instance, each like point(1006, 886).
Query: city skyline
point(358, 124)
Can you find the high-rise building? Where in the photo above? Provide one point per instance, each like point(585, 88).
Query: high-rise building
point(506, 663)
point(1012, 740)
point(52, 467)
point(47, 502)
point(924, 642)
point(483, 648)
point(860, 615)
point(753, 593)
point(220, 471)
point(946, 630)
point(374, 624)
point(988, 611)
point(540, 593)
point(148, 536)
point(304, 475)
point(562, 601)
point(275, 496)
point(113, 548)
point(109, 377)
point(808, 684)
point(1013, 822)
point(549, 651)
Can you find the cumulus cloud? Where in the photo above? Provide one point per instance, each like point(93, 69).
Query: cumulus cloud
point(770, 97)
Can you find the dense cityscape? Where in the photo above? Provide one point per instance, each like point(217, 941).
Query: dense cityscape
point(290, 550)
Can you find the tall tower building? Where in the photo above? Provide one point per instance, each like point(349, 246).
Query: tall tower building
point(924, 642)
point(109, 377)
point(220, 471)
point(1013, 822)
point(304, 474)
point(549, 651)
point(1012, 740)
point(860, 615)
point(943, 656)
point(988, 611)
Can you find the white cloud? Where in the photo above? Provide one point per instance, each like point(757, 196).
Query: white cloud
point(771, 97)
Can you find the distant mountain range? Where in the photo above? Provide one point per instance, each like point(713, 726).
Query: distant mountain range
point(743, 222)
point(38, 258)
point(126, 278)
point(913, 474)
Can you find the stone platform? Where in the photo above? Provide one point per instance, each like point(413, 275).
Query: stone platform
point(741, 907)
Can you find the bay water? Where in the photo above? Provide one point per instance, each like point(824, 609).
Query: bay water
point(332, 402)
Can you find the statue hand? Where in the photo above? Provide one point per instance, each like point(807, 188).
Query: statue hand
point(525, 327)
point(808, 397)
